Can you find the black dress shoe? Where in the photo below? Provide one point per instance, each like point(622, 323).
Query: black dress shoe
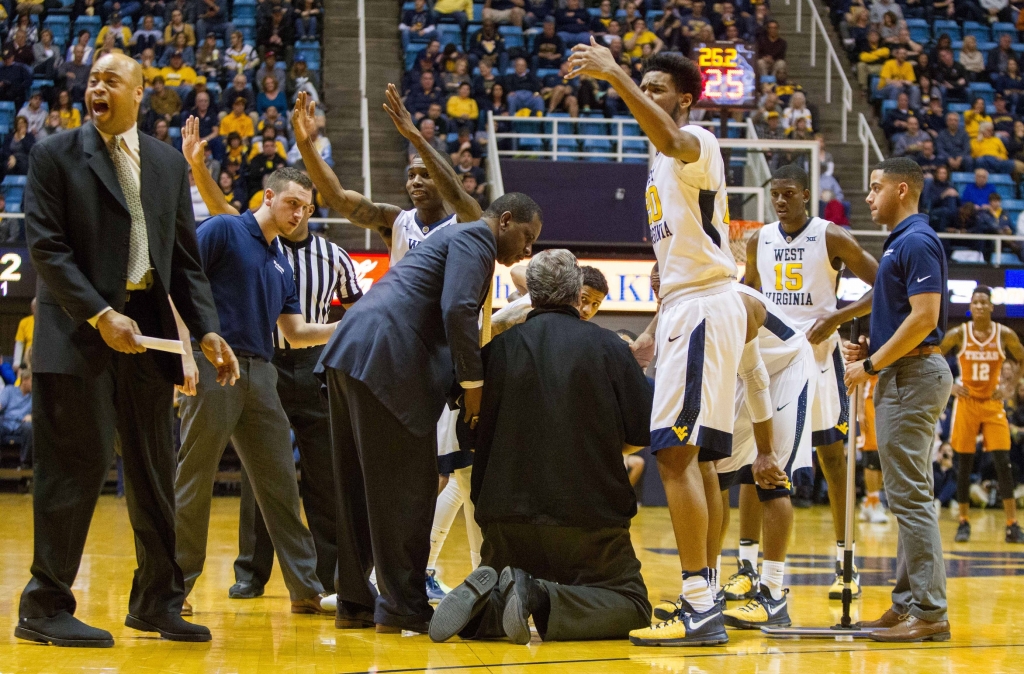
point(63, 629)
point(170, 626)
point(349, 616)
point(245, 589)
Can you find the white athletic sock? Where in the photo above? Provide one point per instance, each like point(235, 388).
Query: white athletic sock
point(718, 575)
point(772, 574)
point(448, 503)
point(841, 552)
point(749, 550)
point(697, 592)
point(463, 477)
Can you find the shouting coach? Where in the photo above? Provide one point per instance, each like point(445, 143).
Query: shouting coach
point(111, 233)
point(908, 319)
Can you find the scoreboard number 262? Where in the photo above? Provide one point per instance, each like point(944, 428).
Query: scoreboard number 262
point(717, 57)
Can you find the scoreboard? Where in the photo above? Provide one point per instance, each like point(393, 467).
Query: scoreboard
point(17, 277)
point(729, 70)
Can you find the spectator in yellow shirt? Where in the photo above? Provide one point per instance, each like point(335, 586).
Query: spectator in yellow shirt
point(149, 67)
point(990, 154)
point(23, 339)
point(237, 121)
point(462, 108)
point(897, 76)
point(122, 35)
point(633, 42)
point(178, 25)
point(974, 117)
point(268, 133)
point(460, 10)
point(179, 75)
point(871, 59)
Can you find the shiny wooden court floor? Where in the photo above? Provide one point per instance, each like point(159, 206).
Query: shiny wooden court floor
point(986, 587)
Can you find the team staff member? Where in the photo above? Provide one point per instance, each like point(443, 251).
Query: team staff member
point(321, 270)
point(254, 291)
point(982, 346)
point(908, 320)
point(111, 234)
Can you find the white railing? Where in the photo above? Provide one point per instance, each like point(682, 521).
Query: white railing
point(553, 137)
point(494, 179)
point(867, 139)
point(364, 107)
point(759, 173)
point(831, 60)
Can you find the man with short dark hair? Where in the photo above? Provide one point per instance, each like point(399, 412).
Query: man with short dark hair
point(908, 320)
point(254, 291)
point(551, 496)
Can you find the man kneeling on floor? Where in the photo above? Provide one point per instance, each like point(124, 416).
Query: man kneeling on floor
point(563, 400)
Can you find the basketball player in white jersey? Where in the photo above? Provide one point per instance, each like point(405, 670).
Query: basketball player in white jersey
point(432, 183)
point(796, 262)
point(701, 323)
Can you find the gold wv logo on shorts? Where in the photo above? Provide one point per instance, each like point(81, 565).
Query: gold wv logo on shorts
point(682, 432)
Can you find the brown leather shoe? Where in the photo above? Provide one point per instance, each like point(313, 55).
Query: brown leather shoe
point(889, 619)
point(388, 629)
point(186, 608)
point(311, 606)
point(914, 629)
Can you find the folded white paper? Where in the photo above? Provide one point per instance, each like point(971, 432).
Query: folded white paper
point(168, 345)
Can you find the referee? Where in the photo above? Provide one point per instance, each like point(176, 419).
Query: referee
point(908, 319)
point(322, 270)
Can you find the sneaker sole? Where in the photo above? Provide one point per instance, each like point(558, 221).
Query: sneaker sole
point(940, 636)
point(709, 640)
point(456, 609)
point(143, 626)
point(31, 635)
point(745, 625)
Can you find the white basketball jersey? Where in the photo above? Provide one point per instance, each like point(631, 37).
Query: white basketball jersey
point(688, 215)
point(796, 272)
point(408, 232)
point(780, 340)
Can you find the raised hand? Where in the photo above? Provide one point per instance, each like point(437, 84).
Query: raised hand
point(592, 60)
point(399, 115)
point(304, 117)
point(193, 148)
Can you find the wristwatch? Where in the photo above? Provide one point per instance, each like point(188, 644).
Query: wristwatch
point(868, 367)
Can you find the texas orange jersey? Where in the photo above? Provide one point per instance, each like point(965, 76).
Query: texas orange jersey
point(981, 362)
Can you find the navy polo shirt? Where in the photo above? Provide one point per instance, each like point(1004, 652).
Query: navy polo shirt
point(251, 281)
point(913, 263)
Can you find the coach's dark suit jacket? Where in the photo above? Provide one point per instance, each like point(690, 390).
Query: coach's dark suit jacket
point(417, 323)
point(78, 227)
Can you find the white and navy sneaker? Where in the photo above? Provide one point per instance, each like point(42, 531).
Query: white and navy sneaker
point(761, 611)
point(685, 628)
point(435, 590)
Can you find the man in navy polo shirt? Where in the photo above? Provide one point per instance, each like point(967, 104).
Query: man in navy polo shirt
point(254, 290)
point(908, 319)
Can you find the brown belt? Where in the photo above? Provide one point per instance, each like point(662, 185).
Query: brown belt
point(922, 351)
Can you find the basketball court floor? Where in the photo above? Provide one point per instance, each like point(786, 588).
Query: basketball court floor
point(986, 587)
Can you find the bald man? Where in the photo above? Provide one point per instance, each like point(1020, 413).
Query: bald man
point(112, 237)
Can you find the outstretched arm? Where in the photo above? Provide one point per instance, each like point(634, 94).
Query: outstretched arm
point(194, 150)
point(841, 244)
point(447, 181)
point(358, 209)
point(597, 62)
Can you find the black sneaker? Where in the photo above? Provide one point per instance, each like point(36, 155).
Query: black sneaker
point(1014, 534)
point(687, 628)
point(244, 589)
point(720, 599)
point(742, 584)
point(460, 605)
point(761, 611)
point(963, 532)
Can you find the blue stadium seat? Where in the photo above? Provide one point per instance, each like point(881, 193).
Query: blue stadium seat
point(544, 72)
point(1003, 184)
point(1007, 260)
point(13, 188)
point(981, 33)
point(478, 12)
point(513, 36)
point(981, 89)
point(1001, 28)
point(887, 105)
point(448, 33)
point(60, 26)
point(951, 28)
point(410, 57)
point(528, 126)
point(960, 108)
point(1013, 206)
point(244, 9)
point(652, 16)
point(247, 27)
point(919, 30)
point(311, 50)
point(7, 113)
point(91, 24)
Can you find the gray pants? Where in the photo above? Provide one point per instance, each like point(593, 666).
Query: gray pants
point(910, 396)
point(250, 415)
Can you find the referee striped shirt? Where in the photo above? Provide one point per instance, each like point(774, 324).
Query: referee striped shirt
point(321, 270)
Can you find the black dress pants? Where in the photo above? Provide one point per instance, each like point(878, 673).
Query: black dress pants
point(309, 417)
point(387, 489)
point(74, 423)
point(592, 578)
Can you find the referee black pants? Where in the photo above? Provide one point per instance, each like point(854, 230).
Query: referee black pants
point(307, 412)
point(387, 489)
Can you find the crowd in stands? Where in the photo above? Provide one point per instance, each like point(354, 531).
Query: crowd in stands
point(236, 65)
point(508, 57)
point(945, 78)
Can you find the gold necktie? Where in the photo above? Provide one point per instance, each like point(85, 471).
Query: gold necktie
point(138, 250)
